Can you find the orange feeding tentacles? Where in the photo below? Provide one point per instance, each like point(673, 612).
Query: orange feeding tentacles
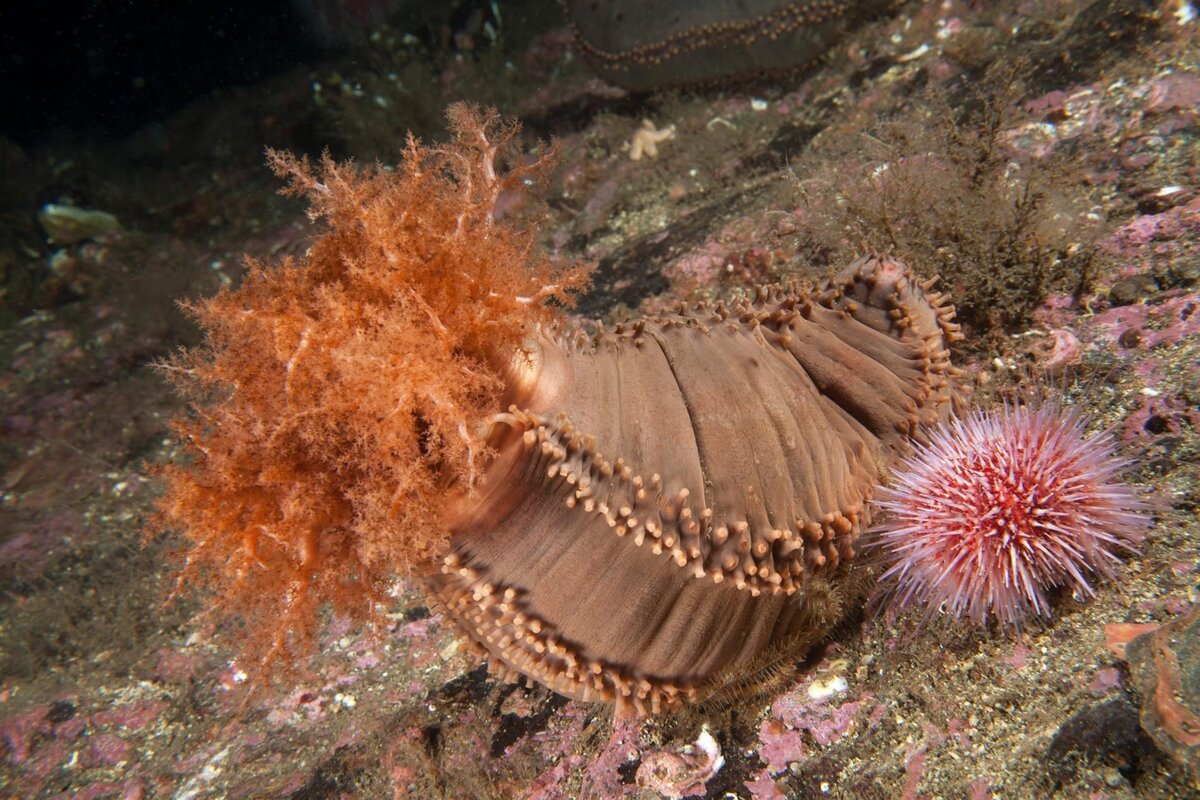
point(339, 399)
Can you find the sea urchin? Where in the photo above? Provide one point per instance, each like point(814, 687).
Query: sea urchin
point(999, 507)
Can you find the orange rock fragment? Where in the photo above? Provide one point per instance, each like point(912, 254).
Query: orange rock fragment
point(1119, 634)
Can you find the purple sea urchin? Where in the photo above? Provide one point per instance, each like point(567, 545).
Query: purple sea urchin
point(999, 507)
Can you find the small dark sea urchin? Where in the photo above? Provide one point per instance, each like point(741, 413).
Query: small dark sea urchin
point(999, 507)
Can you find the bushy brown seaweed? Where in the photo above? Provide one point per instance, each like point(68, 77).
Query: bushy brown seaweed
point(339, 399)
point(941, 189)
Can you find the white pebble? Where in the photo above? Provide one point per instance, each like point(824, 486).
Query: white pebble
point(827, 687)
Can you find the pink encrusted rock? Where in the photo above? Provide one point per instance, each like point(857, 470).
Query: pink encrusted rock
point(171, 666)
point(1017, 660)
point(1105, 680)
point(548, 785)
point(1158, 412)
point(1178, 91)
point(403, 778)
point(981, 789)
point(914, 772)
point(108, 750)
point(764, 787)
point(1167, 322)
point(824, 722)
point(133, 716)
point(366, 661)
point(739, 251)
point(1064, 351)
point(959, 729)
point(70, 729)
point(1061, 116)
point(46, 758)
point(19, 731)
point(602, 773)
point(95, 791)
point(1141, 230)
point(701, 266)
point(779, 745)
point(301, 704)
point(421, 628)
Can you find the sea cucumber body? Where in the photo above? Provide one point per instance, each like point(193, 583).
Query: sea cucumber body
point(675, 498)
point(644, 46)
